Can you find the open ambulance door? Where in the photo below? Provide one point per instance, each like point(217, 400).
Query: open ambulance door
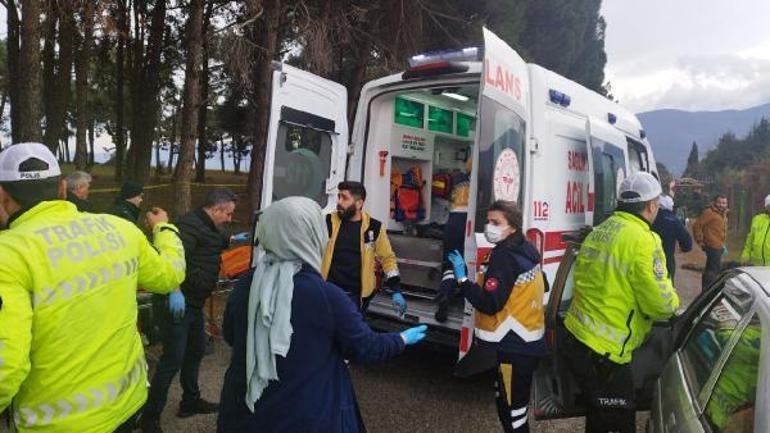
point(497, 172)
point(607, 167)
point(307, 138)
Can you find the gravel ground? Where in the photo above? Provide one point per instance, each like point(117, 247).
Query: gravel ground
point(414, 393)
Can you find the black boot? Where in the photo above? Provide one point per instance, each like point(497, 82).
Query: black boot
point(195, 407)
point(150, 423)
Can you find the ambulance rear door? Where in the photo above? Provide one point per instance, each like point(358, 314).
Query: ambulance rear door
point(307, 138)
point(498, 169)
point(607, 167)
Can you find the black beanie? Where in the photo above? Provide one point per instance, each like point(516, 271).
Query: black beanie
point(130, 190)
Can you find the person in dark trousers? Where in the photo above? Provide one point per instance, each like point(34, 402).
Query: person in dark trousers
point(710, 232)
point(356, 243)
point(78, 188)
point(509, 310)
point(128, 201)
point(181, 314)
point(671, 231)
point(287, 372)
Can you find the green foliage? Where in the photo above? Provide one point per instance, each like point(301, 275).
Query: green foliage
point(734, 152)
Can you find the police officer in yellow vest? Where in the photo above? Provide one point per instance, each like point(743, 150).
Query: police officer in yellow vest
point(621, 287)
point(756, 250)
point(71, 359)
point(509, 310)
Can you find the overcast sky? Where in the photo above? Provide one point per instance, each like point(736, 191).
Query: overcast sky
point(688, 54)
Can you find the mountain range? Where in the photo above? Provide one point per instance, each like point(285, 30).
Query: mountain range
point(671, 132)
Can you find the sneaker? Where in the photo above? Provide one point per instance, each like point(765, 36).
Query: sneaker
point(150, 424)
point(195, 407)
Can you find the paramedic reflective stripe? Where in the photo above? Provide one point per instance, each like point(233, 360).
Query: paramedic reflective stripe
point(510, 324)
point(391, 274)
point(92, 398)
point(519, 417)
point(81, 284)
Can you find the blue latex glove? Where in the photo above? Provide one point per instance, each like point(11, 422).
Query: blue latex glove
point(458, 264)
point(399, 303)
point(176, 304)
point(240, 237)
point(724, 250)
point(414, 335)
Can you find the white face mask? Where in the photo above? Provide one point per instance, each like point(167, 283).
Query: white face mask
point(494, 234)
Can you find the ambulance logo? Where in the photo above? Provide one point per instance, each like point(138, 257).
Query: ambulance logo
point(491, 285)
point(506, 179)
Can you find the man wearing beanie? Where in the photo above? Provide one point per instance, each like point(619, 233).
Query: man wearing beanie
point(128, 201)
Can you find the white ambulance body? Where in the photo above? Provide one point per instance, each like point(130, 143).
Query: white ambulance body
point(553, 146)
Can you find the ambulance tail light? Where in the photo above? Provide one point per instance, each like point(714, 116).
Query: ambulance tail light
point(537, 238)
point(559, 98)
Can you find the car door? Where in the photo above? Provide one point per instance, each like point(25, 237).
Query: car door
point(556, 394)
point(711, 380)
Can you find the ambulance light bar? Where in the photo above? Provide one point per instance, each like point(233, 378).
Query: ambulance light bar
point(469, 54)
point(559, 98)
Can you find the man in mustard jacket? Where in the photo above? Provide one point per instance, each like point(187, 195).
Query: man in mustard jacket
point(71, 359)
point(756, 250)
point(621, 287)
point(356, 242)
point(710, 232)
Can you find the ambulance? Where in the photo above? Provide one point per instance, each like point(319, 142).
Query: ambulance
point(532, 136)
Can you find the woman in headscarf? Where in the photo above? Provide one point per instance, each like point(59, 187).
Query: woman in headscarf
point(291, 333)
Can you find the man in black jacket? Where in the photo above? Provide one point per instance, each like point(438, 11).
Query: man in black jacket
point(128, 201)
point(184, 338)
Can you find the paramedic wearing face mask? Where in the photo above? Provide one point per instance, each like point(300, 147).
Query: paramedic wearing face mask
point(621, 287)
point(509, 310)
point(356, 242)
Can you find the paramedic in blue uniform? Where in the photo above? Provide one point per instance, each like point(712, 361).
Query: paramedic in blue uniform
point(454, 235)
point(509, 310)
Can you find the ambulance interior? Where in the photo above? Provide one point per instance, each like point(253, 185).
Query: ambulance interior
point(428, 135)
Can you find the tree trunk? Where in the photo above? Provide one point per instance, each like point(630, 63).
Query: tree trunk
point(56, 107)
point(120, 105)
point(203, 142)
point(192, 101)
point(146, 88)
point(158, 163)
point(263, 83)
point(49, 57)
point(14, 29)
point(29, 68)
point(91, 144)
point(85, 37)
point(222, 152)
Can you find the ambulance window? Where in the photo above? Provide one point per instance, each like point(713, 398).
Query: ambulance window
point(302, 163)
point(606, 194)
point(637, 157)
point(500, 164)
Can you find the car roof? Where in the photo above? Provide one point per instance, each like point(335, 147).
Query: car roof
point(760, 274)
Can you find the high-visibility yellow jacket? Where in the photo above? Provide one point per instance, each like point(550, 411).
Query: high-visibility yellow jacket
point(71, 359)
point(375, 246)
point(621, 287)
point(756, 250)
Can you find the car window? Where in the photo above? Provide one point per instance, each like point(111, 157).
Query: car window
point(732, 400)
point(712, 330)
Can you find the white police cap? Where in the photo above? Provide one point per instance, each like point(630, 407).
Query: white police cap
point(15, 163)
point(640, 187)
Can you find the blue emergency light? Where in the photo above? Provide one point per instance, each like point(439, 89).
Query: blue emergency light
point(642, 134)
point(612, 118)
point(559, 98)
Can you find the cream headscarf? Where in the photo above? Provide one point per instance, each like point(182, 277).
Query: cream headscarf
point(291, 232)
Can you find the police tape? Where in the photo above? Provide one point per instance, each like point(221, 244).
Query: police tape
point(164, 185)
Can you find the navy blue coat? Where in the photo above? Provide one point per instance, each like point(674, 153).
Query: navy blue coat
point(314, 393)
point(671, 230)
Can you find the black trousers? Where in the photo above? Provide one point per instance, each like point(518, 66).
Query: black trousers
point(512, 390)
point(184, 344)
point(608, 389)
point(713, 266)
point(129, 425)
